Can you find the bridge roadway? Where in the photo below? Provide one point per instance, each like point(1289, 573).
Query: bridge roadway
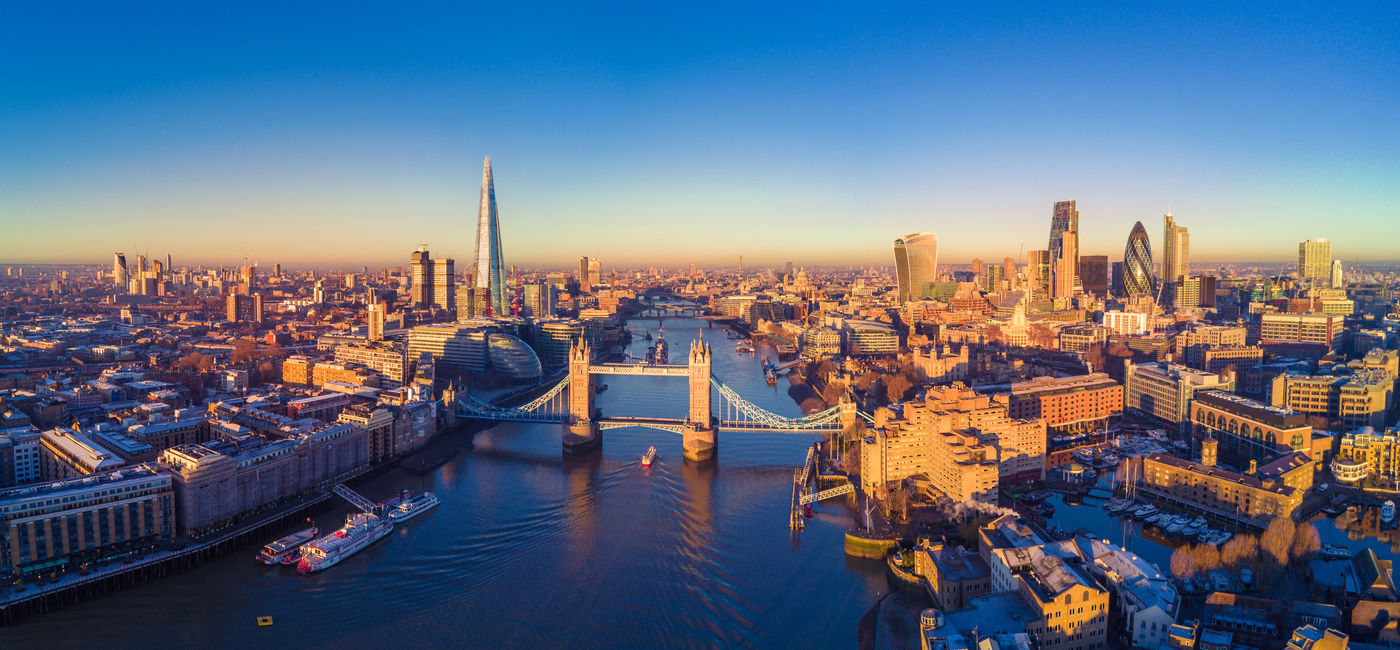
point(639, 369)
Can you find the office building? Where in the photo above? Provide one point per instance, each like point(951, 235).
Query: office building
point(1064, 241)
point(1219, 358)
point(420, 289)
point(1128, 323)
point(66, 453)
point(1137, 263)
point(1315, 328)
point(119, 275)
point(1338, 281)
point(537, 300)
point(455, 347)
point(375, 320)
point(95, 517)
point(445, 285)
point(1008, 270)
point(869, 338)
point(916, 264)
point(1094, 274)
point(1176, 256)
point(1164, 390)
point(1065, 272)
point(1315, 262)
point(595, 272)
point(1192, 343)
point(489, 270)
point(1361, 399)
point(1038, 272)
point(583, 283)
point(1245, 429)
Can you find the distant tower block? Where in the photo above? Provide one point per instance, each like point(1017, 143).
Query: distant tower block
point(700, 435)
point(580, 431)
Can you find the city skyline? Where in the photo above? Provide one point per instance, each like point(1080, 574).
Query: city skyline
point(605, 147)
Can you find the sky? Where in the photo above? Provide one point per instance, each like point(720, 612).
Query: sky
point(669, 133)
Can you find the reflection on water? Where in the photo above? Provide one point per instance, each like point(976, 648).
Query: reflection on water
point(534, 548)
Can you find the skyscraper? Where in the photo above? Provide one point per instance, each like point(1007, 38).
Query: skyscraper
point(1038, 272)
point(119, 270)
point(915, 263)
point(375, 320)
point(595, 271)
point(490, 267)
point(1093, 274)
point(583, 284)
point(420, 289)
point(445, 284)
point(1137, 263)
point(1008, 270)
point(1065, 269)
point(1176, 250)
point(1337, 280)
point(1315, 261)
point(1064, 224)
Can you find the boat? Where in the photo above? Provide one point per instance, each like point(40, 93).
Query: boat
point(648, 457)
point(1199, 522)
point(744, 348)
point(1387, 511)
point(1190, 531)
point(1221, 579)
point(807, 511)
point(410, 507)
point(1206, 535)
point(1115, 506)
point(280, 551)
point(1246, 576)
point(1154, 519)
point(360, 530)
point(1175, 526)
point(647, 336)
point(771, 377)
point(1333, 552)
point(662, 351)
point(1223, 537)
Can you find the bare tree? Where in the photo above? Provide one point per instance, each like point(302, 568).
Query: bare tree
point(1240, 549)
point(243, 350)
point(1306, 541)
point(896, 386)
point(1040, 336)
point(1182, 564)
point(994, 334)
point(1277, 540)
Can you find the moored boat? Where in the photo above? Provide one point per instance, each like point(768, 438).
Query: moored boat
point(410, 507)
point(360, 530)
point(280, 551)
point(1387, 511)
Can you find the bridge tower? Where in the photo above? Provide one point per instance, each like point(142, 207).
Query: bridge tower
point(700, 435)
point(580, 430)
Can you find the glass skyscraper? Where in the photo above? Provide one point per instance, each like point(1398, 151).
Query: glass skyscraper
point(915, 263)
point(1137, 263)
point(490, 267)
point(1064, 223)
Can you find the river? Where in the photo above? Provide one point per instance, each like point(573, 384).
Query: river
point(531, 549)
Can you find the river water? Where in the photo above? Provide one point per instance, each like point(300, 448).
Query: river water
point(531, 549)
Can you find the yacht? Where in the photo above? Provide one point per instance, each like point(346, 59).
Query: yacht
point(1387, 511)
point(410, 507)
point(286, 550)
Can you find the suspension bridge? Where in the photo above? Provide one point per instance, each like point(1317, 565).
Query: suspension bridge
point(569, 403)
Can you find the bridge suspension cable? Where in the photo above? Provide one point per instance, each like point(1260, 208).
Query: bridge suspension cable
point(821, 419)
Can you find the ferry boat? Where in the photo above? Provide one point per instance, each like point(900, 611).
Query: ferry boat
point(360, 530)
point(284, 550)
point(648, 457)
point(410, 507)
point(1387, 511)
point(770, 377)
point(744, 348)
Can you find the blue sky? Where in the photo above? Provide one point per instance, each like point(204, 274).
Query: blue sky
point(648, 133)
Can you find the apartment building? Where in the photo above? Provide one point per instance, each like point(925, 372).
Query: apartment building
point(1164, 390)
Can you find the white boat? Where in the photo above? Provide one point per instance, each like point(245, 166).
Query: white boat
point(1199, 522)
point(1190, 531)
point(360, 530)
point(1333, 552)
point(1388, 511)
point(282, 550)
point(1246, 576)
point(1207, 535)
point(648, 457)
point(1155, 520)
point(1175, 527)
point(409, 508)
point(1223, 537)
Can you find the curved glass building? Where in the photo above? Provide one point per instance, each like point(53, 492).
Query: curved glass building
point(1137, 263)
point(915, 263)
point(513, 359)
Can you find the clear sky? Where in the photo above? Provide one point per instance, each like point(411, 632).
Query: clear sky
point(667, 133)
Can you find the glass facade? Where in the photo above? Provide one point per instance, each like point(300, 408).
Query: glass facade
point(916, 264)
point(513, 359)
point(1137, 263)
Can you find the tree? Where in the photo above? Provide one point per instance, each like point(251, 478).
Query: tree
point(1277, 540)
point(1207, 557)
point(1306, 541)
point(866, 380)
point(1240, 549)
point(1182, 564)
point(1094, 356)
point(833, 391)
point(994, 334)
point(1040, 336)
point(850, 460)
point(896, 386)
point(243, 350)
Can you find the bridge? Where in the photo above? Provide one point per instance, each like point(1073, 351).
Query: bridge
point(570, 404)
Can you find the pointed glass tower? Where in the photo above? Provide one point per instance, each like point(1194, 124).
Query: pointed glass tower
point(490, 274)
point(1137, 263)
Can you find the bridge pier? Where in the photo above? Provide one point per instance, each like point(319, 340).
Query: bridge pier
point(699, 443)
point(580, 437)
